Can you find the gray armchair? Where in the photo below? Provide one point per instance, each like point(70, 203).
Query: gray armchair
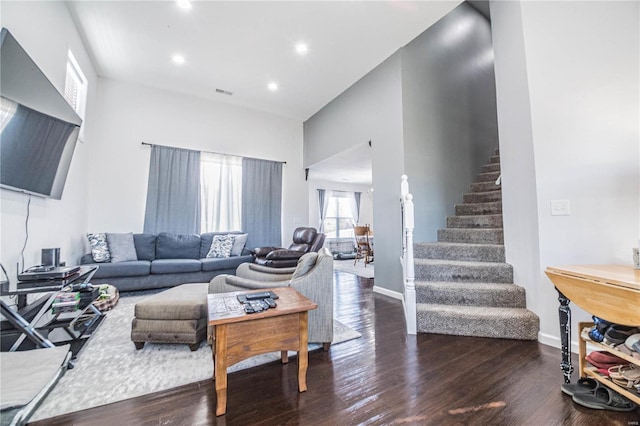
point(312, 277)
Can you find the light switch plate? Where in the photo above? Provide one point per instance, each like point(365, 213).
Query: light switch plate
point(560, 208)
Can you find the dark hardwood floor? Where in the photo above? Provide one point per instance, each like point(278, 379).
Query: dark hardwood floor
point(385, 377)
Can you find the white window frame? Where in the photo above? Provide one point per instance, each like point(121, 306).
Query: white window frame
point(340, 197)
point(75, 88)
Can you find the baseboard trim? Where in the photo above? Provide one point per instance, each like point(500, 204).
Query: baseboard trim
point(553, 341)
point(387, 292)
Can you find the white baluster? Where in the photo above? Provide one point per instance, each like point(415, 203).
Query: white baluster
point(410, 286)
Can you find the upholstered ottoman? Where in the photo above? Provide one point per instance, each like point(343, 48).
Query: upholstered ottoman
point(177, 315)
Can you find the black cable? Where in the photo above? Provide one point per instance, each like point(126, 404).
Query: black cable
point(5, 271)
point(26, 232)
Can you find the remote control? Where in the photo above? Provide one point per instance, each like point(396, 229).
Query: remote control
point(269, 301)
point(248, 309)
point(256, 296)
point(244, 298)
point(256, 305)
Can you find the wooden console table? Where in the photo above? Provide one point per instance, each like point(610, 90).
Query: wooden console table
point(610, 292)
point(238, 336)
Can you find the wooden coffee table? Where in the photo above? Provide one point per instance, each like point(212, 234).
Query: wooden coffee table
point(237, 336)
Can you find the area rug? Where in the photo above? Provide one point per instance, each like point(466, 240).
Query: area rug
point(359, 269)
point(111, 369)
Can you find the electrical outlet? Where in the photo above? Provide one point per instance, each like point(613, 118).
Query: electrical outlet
point(560, 208)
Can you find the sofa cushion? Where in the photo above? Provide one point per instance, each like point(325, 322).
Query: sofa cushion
point(121, 247)
point(134, 268)
point(172, 246)
point(175, 266)
point(221, 246)
point(217, 264)
point(99, 247)
point(145, 246)
point(305, 264)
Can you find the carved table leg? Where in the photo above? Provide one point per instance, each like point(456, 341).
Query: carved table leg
point(564, 313)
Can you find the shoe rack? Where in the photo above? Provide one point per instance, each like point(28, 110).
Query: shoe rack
point(587, 370)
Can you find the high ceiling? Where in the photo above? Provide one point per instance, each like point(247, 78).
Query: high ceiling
point(241, 46)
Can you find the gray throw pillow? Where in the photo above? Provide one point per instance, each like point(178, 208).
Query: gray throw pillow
point(99, 247)
point(238, 244)
point(305, 264)
point(221, 246)
point(121, 247)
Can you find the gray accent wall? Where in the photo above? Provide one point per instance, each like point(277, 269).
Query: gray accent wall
point(429, 111)
point(370, 110)
point(449, 114)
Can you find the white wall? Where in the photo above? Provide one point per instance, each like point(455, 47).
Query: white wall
point(519, 194)
point(45, 30)
point(129, 114)
point(582, 79)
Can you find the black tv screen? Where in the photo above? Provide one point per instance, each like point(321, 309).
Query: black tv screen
point(38, 128)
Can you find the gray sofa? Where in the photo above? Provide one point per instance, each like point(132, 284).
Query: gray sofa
point(166, 260)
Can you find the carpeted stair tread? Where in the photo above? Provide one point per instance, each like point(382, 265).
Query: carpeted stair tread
point(478, 208)
point(471, 235)
point(481, 321)
point(485, 186)
point(463, 285)
point(459, 251)
point(471, 294)
point(482, 197)
point(462, 271)
point(475, 221)
point(494, 167)
point(487, 177)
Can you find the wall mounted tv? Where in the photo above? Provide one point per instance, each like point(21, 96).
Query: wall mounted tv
point(38, 128)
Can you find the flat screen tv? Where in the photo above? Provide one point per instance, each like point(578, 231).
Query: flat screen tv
point(38, 128)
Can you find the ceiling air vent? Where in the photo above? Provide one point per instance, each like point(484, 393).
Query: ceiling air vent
point(224, 92)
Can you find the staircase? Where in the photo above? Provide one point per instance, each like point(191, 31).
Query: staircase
point(463, 285)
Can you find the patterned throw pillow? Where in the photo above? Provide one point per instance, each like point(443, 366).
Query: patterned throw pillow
point(99, 247)
point(221, 246)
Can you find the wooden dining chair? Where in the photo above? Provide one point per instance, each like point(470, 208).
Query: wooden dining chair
point(364, 246)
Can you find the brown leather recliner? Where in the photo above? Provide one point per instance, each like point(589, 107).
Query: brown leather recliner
point(305, 240)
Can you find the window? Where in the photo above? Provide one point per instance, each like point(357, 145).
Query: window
point(340, 218)
point(75, 87)
point(221, 192)
point(7, 111)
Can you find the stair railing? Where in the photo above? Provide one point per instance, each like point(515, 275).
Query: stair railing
point(408, 275)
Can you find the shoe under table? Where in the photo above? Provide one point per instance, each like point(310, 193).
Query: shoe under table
point(177, 315)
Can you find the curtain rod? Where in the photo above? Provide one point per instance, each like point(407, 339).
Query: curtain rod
point(211, 152)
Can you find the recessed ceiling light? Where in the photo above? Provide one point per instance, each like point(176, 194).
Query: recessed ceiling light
point(184, 4)
point(302, 48)
point(178, 59)
point(273, 86)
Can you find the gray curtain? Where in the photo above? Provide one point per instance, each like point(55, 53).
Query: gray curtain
point(173, 193)
point(262, 202)
point(323, 204)
point(356, 196)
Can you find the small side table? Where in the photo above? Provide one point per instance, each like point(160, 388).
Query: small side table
point(78, 326)
point(237, 336)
